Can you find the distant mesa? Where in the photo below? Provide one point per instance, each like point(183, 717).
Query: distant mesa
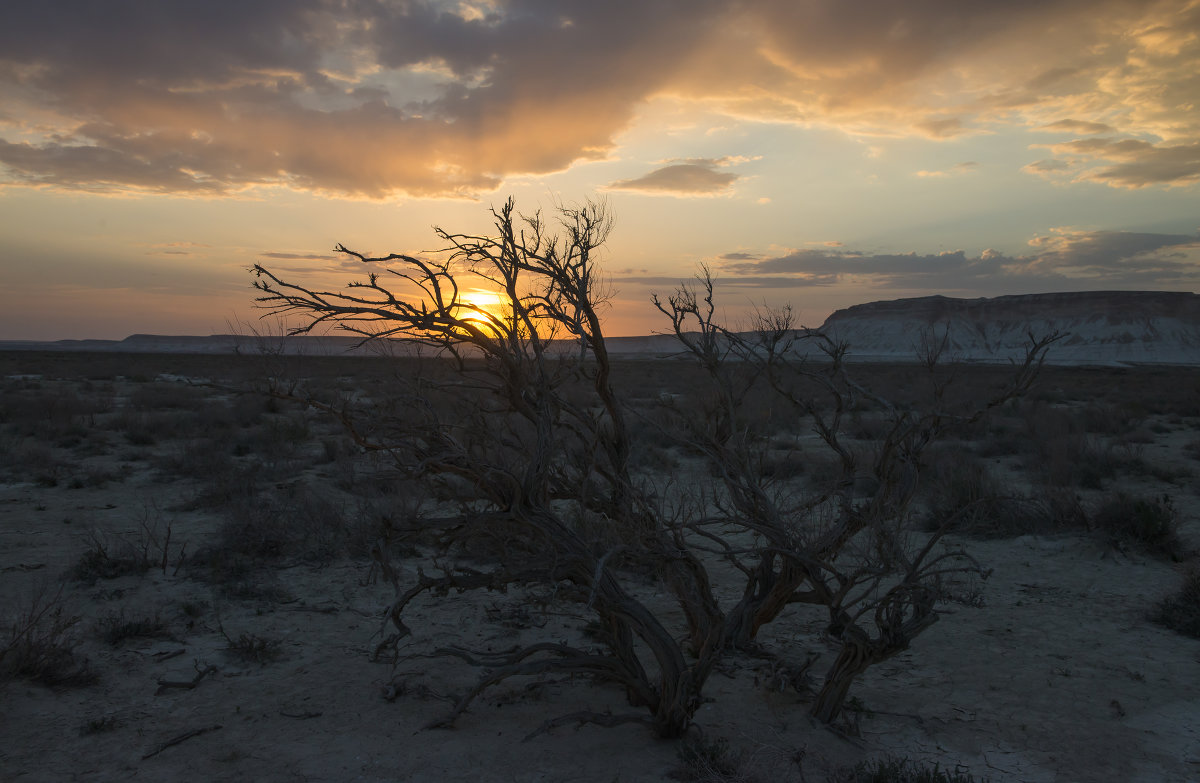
point(1101, 328)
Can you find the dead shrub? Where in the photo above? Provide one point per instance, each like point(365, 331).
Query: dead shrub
point(892, 769)
point(165, 395)
point(42, 644)
point(253, 648)
point(963, 494)
point(703, 760)
point(1063, 453)
point(115, 628)
point(109, 556)
point(32, 460)
point(531, 446)
point(1151, 524)
point(1181, 611)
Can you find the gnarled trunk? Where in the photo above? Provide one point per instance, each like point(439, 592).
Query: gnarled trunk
point(854, 659)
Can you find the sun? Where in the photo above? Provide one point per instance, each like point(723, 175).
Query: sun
point(480, 308)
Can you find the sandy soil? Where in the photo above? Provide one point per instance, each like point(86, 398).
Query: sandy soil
point(1058, 676)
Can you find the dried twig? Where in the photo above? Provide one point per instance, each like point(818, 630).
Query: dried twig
point(181, 738)
point(166, 685)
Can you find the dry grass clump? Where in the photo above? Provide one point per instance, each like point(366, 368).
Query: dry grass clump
point(963, 494)
point(110, 556)
point(1181, 611)
point(253, 648)
point(710, 761)
point(892, 769)
point(1151, 524)
point(1062, 451)
point(28, 459)
point(263, 529)
point(53, 412)
point(41, 644)
point(116, 628)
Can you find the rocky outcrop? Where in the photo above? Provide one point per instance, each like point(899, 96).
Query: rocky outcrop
point(1100, 327)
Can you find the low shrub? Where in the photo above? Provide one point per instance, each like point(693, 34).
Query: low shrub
point(1181, 611)
point(41, 645)
point(253, 648)
point(709, 761)
point(1150, 524)
point(892, 769)
point(110, 557)
point(116, 628)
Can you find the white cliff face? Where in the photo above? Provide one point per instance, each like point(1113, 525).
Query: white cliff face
point(1101, 327)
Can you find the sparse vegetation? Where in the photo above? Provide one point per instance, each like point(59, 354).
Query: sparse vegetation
point(893, 769)
point(42, 643)
point(253, 648)
point(703, 760)
point(115, 628)
point(1181, 611)
point(1151, 524)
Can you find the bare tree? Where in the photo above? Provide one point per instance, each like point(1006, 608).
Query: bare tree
point(536, 443)
point(850, 552)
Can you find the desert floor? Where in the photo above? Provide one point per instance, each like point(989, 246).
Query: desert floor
point(127, 481)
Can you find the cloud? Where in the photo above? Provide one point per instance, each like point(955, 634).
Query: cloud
point(1119, 255)
point(1077, 126)
point(1047, 167)
point(300, 257)
point(374, 99)
point(945, 128)
point(956, 169)
point(1066, 257)
point(1121, 163)
point(307, 263)
point(695, 177)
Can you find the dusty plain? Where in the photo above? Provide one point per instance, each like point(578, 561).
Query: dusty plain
point(198, 554)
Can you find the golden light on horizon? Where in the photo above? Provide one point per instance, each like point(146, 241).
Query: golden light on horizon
point(482, 308)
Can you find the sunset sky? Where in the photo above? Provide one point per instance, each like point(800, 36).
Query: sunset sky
point(817, 152)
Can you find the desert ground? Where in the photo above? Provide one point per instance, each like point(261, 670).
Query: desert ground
point(186, 593)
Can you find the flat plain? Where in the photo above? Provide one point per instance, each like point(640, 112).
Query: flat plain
point(187, 592)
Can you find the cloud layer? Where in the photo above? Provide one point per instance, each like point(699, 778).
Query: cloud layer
point(694, 177)
point(374, 98)
point(1067, 259)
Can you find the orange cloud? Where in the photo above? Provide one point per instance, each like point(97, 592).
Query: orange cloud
point(450, 99)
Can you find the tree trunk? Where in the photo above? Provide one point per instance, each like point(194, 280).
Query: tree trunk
point(853, 660)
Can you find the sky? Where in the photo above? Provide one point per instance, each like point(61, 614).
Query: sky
point(818, 153)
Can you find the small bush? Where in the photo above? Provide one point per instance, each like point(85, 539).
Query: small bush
point(709, 761)
point(783, 464)
point(165, 396)
point(41, 645)
point(32, 460)
point(253, 648)
point(99, 725)
point(116, 628)
point(901, 770)
point(1181, 612)
point(110, 557)
point(1152, 525)
point(1064, 453)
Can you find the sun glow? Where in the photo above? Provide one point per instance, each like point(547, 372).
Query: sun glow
point(481, 308)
